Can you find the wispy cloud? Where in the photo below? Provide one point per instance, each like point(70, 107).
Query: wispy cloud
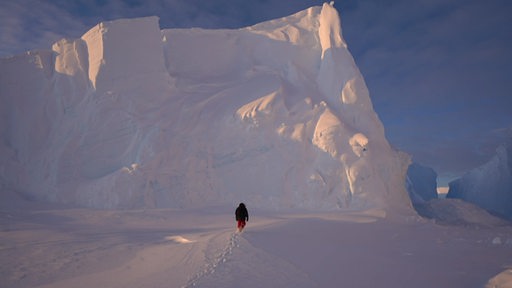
point(27, 25)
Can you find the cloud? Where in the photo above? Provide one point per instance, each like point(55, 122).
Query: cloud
point(27, 25)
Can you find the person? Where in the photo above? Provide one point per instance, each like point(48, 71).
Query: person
point(241, 216)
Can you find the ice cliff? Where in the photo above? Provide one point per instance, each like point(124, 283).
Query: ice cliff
point(129, 115)
point(421, 183)
point(490, 185)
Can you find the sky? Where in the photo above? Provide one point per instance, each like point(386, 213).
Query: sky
point(438, 71)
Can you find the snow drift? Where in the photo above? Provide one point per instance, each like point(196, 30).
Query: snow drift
point(490, 185)
point(276, 114)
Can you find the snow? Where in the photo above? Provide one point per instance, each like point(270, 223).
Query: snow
point(166, 131)
point(115, 55)
point(45, 245)
point(457, 212)
point(488, 186)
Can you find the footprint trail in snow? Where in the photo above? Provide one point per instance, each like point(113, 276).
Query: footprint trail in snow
point(212, 264)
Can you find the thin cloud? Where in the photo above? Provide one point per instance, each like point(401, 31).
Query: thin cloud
point(32, 25)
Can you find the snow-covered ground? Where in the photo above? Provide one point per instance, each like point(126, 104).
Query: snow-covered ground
point(52, 246)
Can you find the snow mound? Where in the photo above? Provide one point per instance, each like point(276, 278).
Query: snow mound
point(490, 185)
point(457, 212)
point(129, 115)
point(179, 239)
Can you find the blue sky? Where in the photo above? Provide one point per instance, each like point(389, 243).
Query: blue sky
point(439, 71)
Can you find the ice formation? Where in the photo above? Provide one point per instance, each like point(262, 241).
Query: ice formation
point(129, 115)
point(421, 183)
point(490, 185)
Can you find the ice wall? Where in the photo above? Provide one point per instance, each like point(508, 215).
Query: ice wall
point(490, 185)
point(122, 49)
point(275, 115)
point(421, 183)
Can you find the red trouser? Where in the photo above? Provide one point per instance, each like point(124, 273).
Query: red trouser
point(241, 224)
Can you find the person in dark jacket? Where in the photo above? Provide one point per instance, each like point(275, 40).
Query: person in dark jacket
point(241, 215)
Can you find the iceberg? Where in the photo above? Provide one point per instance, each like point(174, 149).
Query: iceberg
point(134, 116)
point(488, 186)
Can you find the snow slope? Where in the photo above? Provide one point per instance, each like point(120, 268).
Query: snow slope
point(490, 185)
point(129, 115)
